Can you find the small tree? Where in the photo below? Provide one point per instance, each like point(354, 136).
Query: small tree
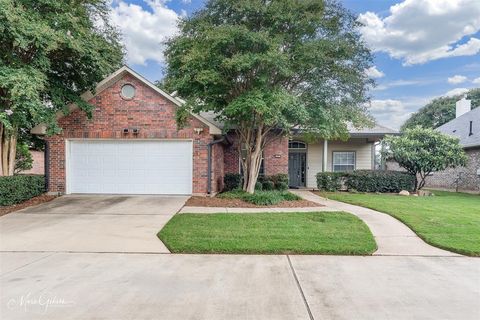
point(422, 151)
point(265, 67)
point(23, 159)
point(50, 53)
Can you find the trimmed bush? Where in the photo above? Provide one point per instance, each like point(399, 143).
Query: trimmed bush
point(232, 181)
point(366, 181)
point(330, 181)
point(18, 188)
point(281, 186)
point(258, 186)
point(380, 181)
point(279, 179)
point(268, 185)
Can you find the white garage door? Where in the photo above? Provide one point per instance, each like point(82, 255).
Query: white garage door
point(129, 167)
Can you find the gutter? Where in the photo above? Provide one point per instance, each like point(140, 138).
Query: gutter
point(209, 162)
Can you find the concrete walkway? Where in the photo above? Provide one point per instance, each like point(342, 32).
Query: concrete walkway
point(392, 236)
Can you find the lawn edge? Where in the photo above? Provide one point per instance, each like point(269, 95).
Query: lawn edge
point(454, 250)
point(367, 254)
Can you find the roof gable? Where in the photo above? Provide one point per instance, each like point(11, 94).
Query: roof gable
point(113, 78)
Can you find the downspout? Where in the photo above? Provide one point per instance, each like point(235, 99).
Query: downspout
point(46, 165)
point(209, 163)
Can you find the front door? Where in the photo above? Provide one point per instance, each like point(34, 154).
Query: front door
point(297, 163)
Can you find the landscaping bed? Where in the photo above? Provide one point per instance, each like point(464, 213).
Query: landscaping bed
point(25, 204)
point(261, 199)
point(268, 233)
point(447, 220)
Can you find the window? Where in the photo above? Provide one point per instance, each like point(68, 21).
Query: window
point(296, 145)
point(243, 155)
point(128, 91)
point(343, 161)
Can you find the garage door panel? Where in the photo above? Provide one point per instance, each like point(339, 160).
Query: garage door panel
point(130, 167)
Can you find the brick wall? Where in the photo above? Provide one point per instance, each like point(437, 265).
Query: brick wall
point(149, 111)
point(217, 167)
point(38, 166)
point(465, 177)
point(275, 156)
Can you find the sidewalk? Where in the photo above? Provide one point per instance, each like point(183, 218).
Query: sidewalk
point(392, 236)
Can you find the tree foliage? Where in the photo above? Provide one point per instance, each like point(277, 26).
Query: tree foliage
point(439, 111)
point(422, 151)
point(50, 53)
point(265, 67)
point(23, 159)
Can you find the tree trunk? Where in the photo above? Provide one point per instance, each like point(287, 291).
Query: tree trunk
point(8, 139)
point(254, 142)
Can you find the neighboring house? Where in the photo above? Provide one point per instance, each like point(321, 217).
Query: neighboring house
point(466, 127)
point(132, 146)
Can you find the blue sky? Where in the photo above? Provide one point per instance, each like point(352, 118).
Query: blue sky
point(423, 48)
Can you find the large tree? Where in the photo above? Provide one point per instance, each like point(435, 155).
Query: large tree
point(50, 53)
point(439, 111)
point(422, 151)
point(265, 67)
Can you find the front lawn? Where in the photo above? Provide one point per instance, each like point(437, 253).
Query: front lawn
point(447, 220)
point(268, 233)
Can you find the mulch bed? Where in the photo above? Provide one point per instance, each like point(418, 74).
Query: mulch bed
point(233, 203)
point(30, 202)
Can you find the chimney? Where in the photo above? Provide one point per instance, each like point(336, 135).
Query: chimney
point(463, 106)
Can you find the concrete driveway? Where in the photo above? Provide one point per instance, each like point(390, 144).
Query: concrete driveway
point(90, 224)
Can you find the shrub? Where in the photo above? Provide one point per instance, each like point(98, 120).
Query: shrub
point(288, 196)
point(380, 181)
point(18, 188)
point(258, 185)
point(232, 181)
point(281, 186)
point(263, 198)
point(330, 181)
point(279, 180)
point(268, 185)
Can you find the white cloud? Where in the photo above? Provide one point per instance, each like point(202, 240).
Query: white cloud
point(373, 72)
point(418, 31)
point(389, 112)
point(144, 31)
point(455, 92)
point(456, 79)
point(476, 81)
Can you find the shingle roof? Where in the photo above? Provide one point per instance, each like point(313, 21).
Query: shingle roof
point(375, 130)
point(460, 128)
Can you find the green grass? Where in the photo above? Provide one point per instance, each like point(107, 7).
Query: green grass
point(447, 220)
point(261, 198)
point(268, 233)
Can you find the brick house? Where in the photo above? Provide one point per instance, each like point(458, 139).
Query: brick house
point(466, 127)
point(132, 145)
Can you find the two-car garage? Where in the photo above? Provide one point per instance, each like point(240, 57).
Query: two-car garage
point(129, 166)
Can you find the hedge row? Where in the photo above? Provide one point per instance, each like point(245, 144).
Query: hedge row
point(232, 181)
point(366, 181)
point(18, 188)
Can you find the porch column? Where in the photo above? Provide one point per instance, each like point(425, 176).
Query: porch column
point(325, 155)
